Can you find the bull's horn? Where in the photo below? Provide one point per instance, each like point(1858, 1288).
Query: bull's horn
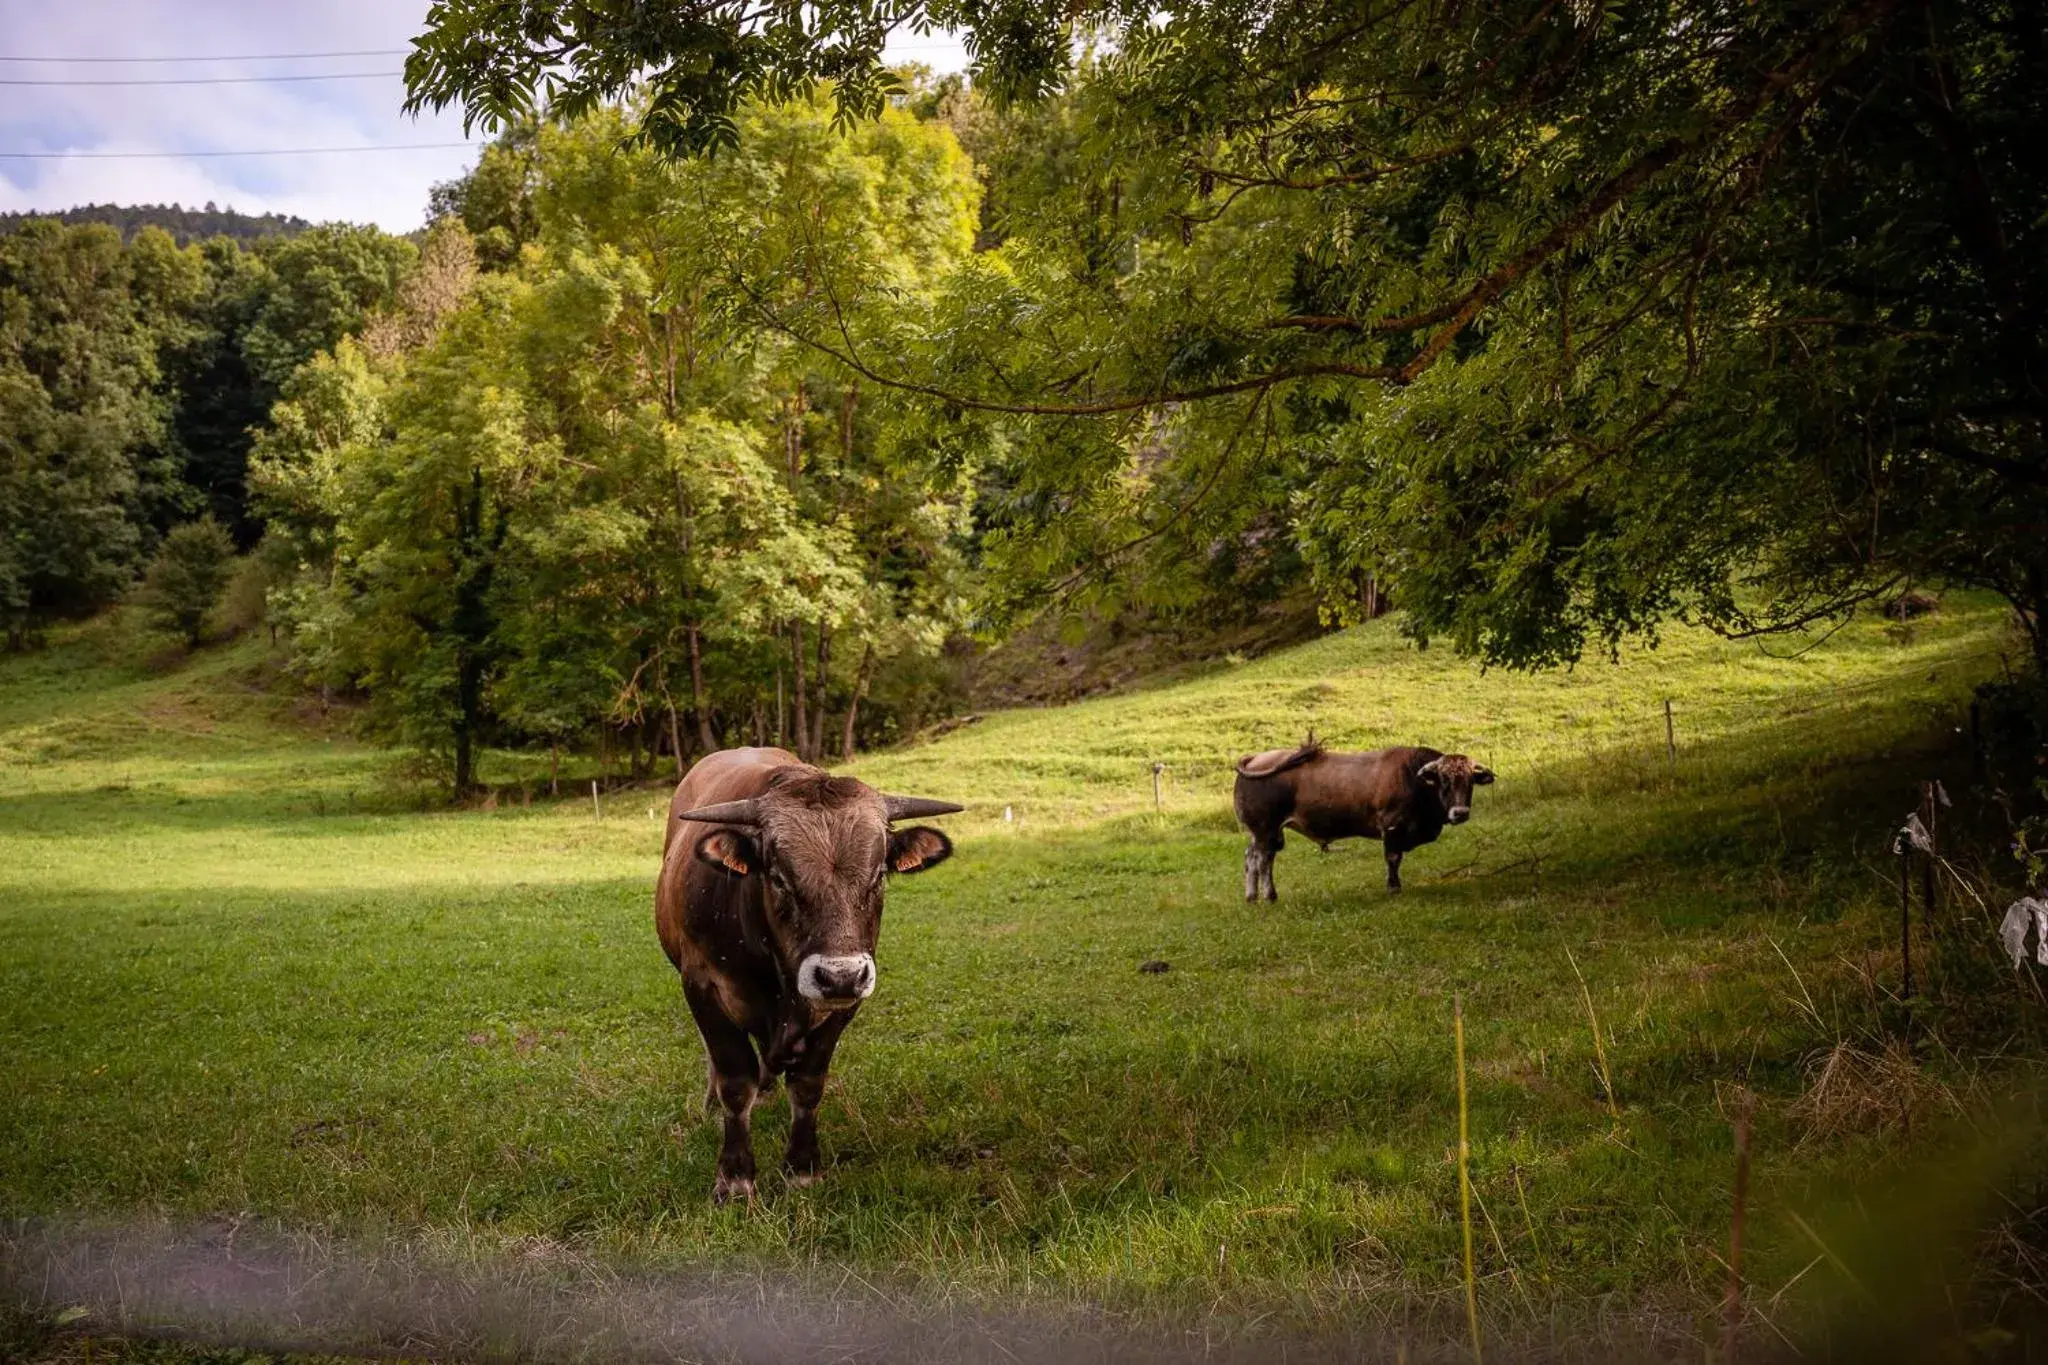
point(1428, 767)
point(917, 807)
point(725, 813)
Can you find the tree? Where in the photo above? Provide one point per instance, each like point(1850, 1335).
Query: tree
point(186, 576)
point(423, 524)
point(435, 286)
point(82, 472)
point(591, 496)
point(494, 202)
point(1564, 319)
point(185, 226)
point(317, 287)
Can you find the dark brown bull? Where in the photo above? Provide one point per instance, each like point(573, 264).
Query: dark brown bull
point(769, 905)
point(1403, 797)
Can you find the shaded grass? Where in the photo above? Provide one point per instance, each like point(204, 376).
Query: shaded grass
point(237, 975)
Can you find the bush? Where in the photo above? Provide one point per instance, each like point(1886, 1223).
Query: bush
point(186, 577)
point(245, 603)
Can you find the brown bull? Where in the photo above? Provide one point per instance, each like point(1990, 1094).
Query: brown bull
point(1403, 797)
point(770, 904)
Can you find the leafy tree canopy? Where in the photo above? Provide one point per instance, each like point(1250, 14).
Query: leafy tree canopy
point(133, 374)
point(184, 225)
point(1560, 318)
point(186, 577)
point(590, 492)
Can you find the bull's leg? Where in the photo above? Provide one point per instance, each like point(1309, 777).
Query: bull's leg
point(806, 1081)
point(1394, 851)
point(1254, 869)
point(736, 1076)
point(1272, 852)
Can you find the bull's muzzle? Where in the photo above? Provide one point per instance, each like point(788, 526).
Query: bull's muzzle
point(836, 981)
point(1460, 814)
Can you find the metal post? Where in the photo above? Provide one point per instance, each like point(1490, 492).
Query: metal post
point(1670, 738)
point(1157, 769)
point(596, 811)
point(1906, 917)
point(1927, 863)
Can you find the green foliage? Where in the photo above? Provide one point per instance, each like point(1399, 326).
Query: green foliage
point(594, 495)
point(185, 226)
point(132, 375)
point(318, 287)
point(186, 576)
point(711, 60)
point(1561, 321)
point(216, 401)
point(80, 421)
point(495, 200)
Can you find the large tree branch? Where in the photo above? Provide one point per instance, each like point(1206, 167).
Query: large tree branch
point(1223, 461)
point(2002, 465)
point(847, 356)
point(1450, 318)
point(1458, 313)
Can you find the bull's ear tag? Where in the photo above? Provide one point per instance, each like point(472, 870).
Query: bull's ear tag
point(917, 848)
point(728, 850)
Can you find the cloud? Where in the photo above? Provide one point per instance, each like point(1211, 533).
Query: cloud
point(388, 188)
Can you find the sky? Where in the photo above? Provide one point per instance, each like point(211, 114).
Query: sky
point(385, 187)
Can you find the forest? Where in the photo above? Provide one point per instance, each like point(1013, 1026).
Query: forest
point(534, 479)
point(552, 474)
point(185, 225)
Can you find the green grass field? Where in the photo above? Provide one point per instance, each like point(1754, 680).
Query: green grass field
point(243, 973)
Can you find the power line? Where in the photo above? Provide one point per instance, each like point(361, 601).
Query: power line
point(245, 57)
point(218, 80)
point(919, 46)
point(264, 151)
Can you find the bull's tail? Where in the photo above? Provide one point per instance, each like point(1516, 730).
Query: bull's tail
point(1275, 761)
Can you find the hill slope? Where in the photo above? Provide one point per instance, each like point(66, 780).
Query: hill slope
point(454, 1028)
point(184, 225)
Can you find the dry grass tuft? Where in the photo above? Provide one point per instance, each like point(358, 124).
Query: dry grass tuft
point(1854, 1089)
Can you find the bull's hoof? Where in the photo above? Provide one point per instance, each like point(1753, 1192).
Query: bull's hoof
point(733, 1187)
point(1393, 888)
point(803, 1180)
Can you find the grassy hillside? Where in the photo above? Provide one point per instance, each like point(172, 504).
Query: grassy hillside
point(239, 975)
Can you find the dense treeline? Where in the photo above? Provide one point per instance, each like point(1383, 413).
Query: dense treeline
point(185, 225)
point(544, 479)
point(585, 494)
point(131, 379)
